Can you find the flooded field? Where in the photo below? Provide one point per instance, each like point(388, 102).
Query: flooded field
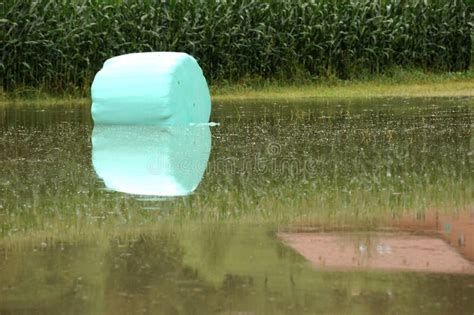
point(328, 207)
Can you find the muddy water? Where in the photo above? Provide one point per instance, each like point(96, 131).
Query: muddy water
point(361, 207)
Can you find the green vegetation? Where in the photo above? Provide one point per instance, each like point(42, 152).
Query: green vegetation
point(400, 83)
point(397, 83)
point(59, 45)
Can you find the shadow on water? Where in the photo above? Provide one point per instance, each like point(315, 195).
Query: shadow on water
point(363, 175)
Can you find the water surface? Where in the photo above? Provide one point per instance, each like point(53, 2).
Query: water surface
point(73, 243)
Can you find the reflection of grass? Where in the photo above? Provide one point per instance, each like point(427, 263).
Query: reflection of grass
point(201, 268)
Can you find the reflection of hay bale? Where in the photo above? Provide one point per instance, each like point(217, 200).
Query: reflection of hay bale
point(147, 160)
point(160, 88)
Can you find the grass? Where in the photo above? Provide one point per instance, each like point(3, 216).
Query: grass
point(401, 83)
point(455, 86)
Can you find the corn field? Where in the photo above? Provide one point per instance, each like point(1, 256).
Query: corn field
point(59, 44)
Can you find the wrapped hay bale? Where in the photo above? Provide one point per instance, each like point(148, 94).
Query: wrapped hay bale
point(156, 88)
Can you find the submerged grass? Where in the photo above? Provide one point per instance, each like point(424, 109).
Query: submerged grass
point(366, 162)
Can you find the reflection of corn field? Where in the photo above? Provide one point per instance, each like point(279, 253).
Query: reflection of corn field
point(61, 44)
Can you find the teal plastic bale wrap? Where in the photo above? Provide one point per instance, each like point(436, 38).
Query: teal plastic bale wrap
point(156, 88)
point(151, 160)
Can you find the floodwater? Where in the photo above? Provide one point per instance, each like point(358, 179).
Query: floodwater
point(307, 207)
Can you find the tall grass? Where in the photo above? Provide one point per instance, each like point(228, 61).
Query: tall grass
point(59, 45)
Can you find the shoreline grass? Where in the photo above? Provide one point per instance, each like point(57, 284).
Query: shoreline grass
point(464, 88)
point(402, 84)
